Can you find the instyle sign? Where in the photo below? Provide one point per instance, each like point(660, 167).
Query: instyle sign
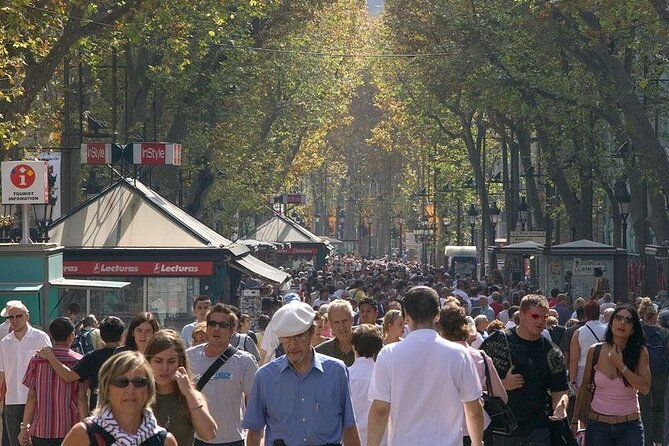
point(153, 153)
point(132, 268)
point(96, 153)
point(25, 182)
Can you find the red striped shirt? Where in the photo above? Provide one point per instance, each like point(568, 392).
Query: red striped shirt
point(56, 410)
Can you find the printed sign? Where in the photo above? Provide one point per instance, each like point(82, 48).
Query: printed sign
point(96, 153)
point(298, 251)
point(130, 268)
point(25, 182)
point(156, 153)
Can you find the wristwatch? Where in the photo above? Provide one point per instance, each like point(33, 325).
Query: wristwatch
point(24, 425)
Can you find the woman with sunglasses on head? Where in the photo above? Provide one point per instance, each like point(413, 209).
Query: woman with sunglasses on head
point(179, 408)
point(123, 416)
point(620, 372)
point(141, 329)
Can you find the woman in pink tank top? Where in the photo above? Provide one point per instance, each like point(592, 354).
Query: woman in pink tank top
point(621, 371)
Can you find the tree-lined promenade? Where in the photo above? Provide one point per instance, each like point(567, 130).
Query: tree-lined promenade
point(418, 112)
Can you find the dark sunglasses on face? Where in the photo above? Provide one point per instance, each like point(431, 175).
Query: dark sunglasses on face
point(622, 318)
point(122, 382)
point(16, 316)
point(223, 324)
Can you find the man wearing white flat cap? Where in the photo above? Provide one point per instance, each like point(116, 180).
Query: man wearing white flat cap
point(302, 397)
point(16, 349)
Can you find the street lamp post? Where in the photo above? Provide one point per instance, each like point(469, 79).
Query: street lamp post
point(472, 213)
point(624, 200)
point(493, 212)
point(523, 211)
point(341, 218)
point(400, 221)
point(317, 224)
point(369, 238)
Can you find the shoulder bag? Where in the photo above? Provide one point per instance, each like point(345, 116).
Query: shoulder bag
point(227, 354)
point(502, 419)
point(587, 390)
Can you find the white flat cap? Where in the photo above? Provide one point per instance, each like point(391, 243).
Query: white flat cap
point(293, 319)
point(13, 304)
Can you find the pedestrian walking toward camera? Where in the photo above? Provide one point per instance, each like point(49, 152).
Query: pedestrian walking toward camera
point(533, 373)
point(302, 397)
point(619, 369)
point(224, 375)
point(16, 350)
point(179, 408)
point(123, 415)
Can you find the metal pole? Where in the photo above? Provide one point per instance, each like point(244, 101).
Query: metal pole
point(25, 239)
point(401, 230)
point(623, 236)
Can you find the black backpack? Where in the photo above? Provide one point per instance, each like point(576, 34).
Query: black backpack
point(83, 342)
point(657, 350)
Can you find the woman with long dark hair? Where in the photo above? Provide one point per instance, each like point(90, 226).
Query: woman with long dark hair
point(621, 371)
point(141, 329)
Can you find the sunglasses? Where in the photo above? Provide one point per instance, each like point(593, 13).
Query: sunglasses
point(224, 324)
point(16, 316)
point(122, 382)
point(536, 317)
point(622, 318)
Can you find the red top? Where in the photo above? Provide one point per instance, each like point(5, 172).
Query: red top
point(56, 410)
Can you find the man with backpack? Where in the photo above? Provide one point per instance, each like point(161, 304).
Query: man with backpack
point(88, 339)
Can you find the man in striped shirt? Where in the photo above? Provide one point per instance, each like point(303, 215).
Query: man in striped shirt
point(53, 405)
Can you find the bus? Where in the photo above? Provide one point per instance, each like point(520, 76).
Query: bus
point(461, 261)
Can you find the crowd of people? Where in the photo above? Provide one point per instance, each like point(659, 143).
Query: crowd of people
point(381, 353)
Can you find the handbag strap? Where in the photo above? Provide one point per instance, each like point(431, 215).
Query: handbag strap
point(593, 333)
point(488, 384)
point(215, 366)
point(595, 358)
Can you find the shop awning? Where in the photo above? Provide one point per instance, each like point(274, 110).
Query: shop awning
point(11, 288)
point(88, 284)
point(250, 265)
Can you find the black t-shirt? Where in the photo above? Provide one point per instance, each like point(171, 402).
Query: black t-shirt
point(89, 365)
point(542, 365)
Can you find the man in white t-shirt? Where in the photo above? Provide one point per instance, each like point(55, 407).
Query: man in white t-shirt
point(16, 350)
point(427, 375)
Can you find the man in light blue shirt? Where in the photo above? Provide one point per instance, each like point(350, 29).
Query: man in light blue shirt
point(303, 397)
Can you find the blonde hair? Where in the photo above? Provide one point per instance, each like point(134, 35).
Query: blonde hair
point(390, 317)
point(647, 309)
point(119, 365)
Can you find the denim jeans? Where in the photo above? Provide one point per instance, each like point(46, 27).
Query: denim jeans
point(538, 437)
point(629, 433)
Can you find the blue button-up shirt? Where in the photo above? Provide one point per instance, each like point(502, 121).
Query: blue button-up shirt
point(301, 410)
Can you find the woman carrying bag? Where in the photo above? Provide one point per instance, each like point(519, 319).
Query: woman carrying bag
point(616, 370)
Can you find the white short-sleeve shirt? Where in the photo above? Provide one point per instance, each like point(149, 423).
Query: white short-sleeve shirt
point(14, 358)
point(421, 376)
